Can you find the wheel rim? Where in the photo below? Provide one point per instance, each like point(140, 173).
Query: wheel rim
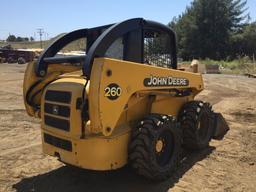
point(159, 145)
point(164, 148)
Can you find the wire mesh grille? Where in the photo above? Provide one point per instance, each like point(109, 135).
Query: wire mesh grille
point(157, 49)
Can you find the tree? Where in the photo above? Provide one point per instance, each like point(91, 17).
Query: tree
point(32, 39)
point(22, 39)
point(243, 43)
point(19, 39)
point(249, 36)
point(204, 29)
point(11, 38)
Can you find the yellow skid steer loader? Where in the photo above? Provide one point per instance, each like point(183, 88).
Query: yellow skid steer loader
point(124, 101)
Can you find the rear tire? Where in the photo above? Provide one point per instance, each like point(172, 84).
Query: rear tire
point(155, 147)
point(197, 124)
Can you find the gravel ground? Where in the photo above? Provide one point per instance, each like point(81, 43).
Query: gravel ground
point(227, 165)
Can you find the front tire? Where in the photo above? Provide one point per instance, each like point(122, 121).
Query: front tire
point(155, 147)
point(10, 60)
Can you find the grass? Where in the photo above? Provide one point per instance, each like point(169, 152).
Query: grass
point(238, 66)
point(241, 65)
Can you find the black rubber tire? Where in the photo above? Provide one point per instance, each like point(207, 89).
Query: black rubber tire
point(11, 60)
point(4, 60)
point(21, 60)
point(143, 156)
point(197, 124)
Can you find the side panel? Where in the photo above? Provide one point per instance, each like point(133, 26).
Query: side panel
point(168, 105)
point(129, 78)
point(138, 107)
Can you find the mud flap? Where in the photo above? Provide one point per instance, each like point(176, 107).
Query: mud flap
point(220, 127)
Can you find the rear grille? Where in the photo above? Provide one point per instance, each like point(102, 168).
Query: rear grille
point(54, 109)
point(57, 109)
point(58, 142)
point(58, 96)
point(61, 124)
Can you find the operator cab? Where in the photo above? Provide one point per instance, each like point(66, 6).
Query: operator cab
point(136, 40)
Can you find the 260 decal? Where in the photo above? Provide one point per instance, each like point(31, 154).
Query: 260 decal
point(113, 91)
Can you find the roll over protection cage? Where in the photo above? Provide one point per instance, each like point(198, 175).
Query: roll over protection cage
point(99, 39)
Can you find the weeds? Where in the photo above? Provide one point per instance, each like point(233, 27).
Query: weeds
point(238, 66)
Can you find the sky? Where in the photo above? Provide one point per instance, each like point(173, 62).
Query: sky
point(24, 17)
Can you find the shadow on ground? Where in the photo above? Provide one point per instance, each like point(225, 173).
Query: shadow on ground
point(71, 179)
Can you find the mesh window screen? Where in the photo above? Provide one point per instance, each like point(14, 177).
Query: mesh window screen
point(157, 49)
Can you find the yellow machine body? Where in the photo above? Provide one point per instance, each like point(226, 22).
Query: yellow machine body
point(122, 99)
point(101, 142)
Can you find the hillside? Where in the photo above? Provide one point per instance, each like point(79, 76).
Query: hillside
point(74, 46)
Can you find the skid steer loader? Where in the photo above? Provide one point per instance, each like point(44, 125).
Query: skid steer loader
point(124, 101)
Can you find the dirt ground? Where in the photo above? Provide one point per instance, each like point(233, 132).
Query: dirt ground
point(227, 165)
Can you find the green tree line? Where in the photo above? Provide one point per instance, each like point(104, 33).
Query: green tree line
point(13, 38)
point(215, 29)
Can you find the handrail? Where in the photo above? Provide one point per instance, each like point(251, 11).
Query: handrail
point(55, 47)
